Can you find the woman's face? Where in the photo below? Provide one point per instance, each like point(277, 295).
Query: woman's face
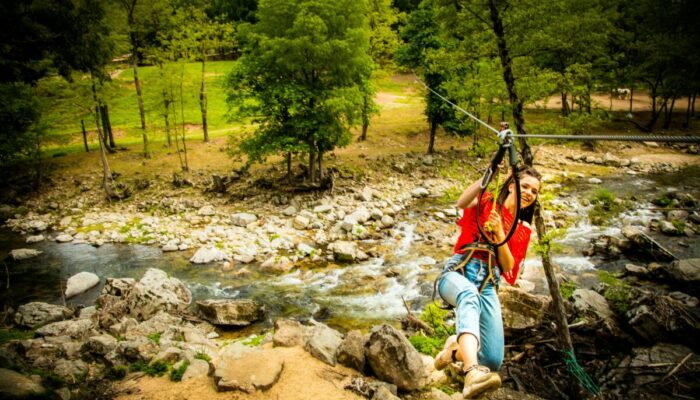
point(529, 189)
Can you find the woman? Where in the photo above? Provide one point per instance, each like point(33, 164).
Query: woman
point(479, 327)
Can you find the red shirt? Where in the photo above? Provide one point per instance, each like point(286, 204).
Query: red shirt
point(470, 233)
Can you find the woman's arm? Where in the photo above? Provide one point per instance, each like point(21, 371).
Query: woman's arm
point(468, 198)
point(505, 258)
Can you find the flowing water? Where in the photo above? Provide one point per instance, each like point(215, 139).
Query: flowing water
point(347, 297)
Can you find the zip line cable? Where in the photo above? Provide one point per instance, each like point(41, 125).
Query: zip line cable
point(629, 138)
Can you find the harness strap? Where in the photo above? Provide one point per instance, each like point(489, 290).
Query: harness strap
point(472, 248)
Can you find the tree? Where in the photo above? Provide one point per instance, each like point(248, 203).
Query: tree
point(383, 38)
point(300, 76)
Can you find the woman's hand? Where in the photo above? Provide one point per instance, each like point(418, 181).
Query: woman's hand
point(494, 222)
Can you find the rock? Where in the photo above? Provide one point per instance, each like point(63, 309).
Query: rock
point(305, 249)
point(197, 369)
point(35, 314)
point(636, 270)
point(646, 247)
point(610, 160)
point(35, 239)
point(206, 211)
point(15, 385)
point(387, 221)
point(80, 283)
point(289, 211)
point(168, 356)
point(37, 226)
point(277, 265)
point(249, 371)
point(678, 215)
point(637, 370)
point(77, 329)
point(343, 251)
point(351, 351)
point(23, 254)
point(589, 301)
point(64, 238)
point(243, 219)
point(595, 181)
point(366, 194)
point(289, 333)
point(157, 292)
point(393, 359)
point(521, 310)
point(70, 370)
point(656, 318)
point(300, 222)
point(207, 255)
point(324, 343)
point(686, 271)
point(118, 286)
point(382, 393)
point(231, 312)
point(420, 192)
point(169, 247)
point(667, 228)
point(99, 345)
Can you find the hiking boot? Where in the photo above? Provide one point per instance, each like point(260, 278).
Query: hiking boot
point(479, 380)
point(448, 353)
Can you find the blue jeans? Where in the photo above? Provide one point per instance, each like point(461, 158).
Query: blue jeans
point(476, 314)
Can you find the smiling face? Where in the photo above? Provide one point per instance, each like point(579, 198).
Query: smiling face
point(529, 189)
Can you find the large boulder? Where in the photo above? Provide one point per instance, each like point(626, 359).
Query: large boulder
point(35, 314)
point(589, 301)
point(650, 364)
point(645, 247)
point(323, 343)
point(231, 312)
point(23, 254)
point(393, 359)
point(157, 292)
point(247, 371)
point(351, 352)
point(655, 318)
point(15, 385)
point(80, 283)
point(207, 255)
point(118, 286)
point(521, 310)
point(290, 333)
point(77, 329)
point(686, 271)
point(243, 219)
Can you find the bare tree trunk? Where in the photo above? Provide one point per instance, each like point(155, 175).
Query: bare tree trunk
point(320, 165)
point(82, 127)
point(668, 115)
point(692, 108)
point(289, 166)
point(686, 123)
point(106, 173)
point(203, 100)
point(112, 145)
point(166, 117)
point(186, 167)
point(509, 79)
point(611, 99)
point(106, 128)
point(177, 141)
point(139, 97)
point(312, 159)
point(431, 143)
point(631, 97)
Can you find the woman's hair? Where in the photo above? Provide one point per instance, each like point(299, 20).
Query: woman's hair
point(526, 213)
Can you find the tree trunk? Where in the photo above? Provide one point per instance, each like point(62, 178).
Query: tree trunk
point(289, 166)
point(82, 127)
point(312, 159)
point(177, 140)
point(611, 99)
point(112, 145)
point(431, 143)
point(692, 108)
point(203, 100)
point(365, 118)
point(166, 117)
point(668, 115)
point(631, 97)
point(107, 128)
point(509, 79)
point(106, 173)
point(686, 123)
point(320, 165)
point(186, 166)
point(142, 112)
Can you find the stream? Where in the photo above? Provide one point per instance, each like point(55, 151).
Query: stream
point(355, 296)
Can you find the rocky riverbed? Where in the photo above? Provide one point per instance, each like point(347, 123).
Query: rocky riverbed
point(253, 232)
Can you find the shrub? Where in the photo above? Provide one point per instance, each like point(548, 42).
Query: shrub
point(434, 316)
point(200, 355)
point(155, 338)
point(7, 335)
point(116, 372)
point(177, 373)
point(617, 293)
point(567, 290)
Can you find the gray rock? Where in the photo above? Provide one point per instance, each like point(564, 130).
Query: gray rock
point(15, 385)
point(64, 238)
point(247, 372)
point(197, 369)
point(636, 270)
point(99, 345)
point(207, 255)
point(35, 239)
point(686, 271)
point(684, 298)
point(139, 349)
point(656, 318)
point(343, 250)
point(118, 286)
point(667, 228)
point(77, 329)
point(351, 352)
point(393, 359)
point(168, 356)
point(420, 192)
point(366, 194)
point(387, 221)
point(81, 282)
point(70, 370)
point(521, 310)
point(277, 265)
point(677, 215)
point(35, 314)
point(289, 211)
point(231, 312)
point(323, 343)
point(37, 225)
point(646, 246)
point(87, 312)
point(323, 209)
point(589, 301)
point(23, 254)
point(169, 247)
point(206, 211)
point(382, 393)
point(664, 354)
point(243, 219)
point(157, 292)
